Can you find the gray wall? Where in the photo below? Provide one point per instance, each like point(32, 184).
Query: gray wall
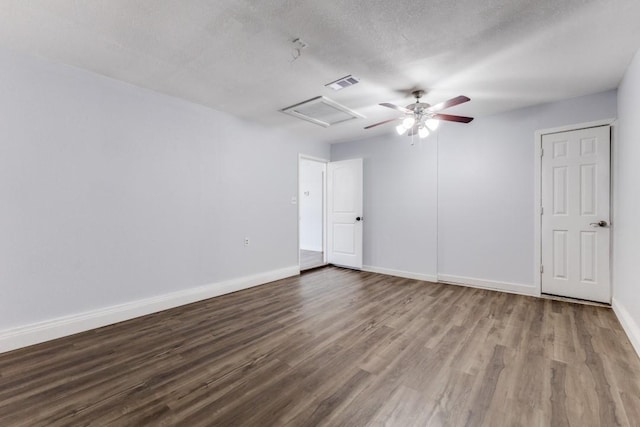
point(399, 202)
point(626, 213)
point(483, 193)
point(111, 193)
point(486, 188)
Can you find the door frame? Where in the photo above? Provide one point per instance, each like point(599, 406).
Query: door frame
point(537, 205)
point(301, 157)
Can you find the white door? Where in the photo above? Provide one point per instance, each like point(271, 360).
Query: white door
point(575, 214)
point(344, 206)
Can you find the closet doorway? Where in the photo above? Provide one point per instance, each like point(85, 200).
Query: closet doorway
point(311, 214)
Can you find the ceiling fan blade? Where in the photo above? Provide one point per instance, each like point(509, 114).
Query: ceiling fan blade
point(450, 118)
point(381, 123)
point(450, 103)
point(396, 107)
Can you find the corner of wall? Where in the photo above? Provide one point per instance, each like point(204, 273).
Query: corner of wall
point(631, 328)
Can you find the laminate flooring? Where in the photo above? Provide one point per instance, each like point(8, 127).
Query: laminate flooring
point(336, 347)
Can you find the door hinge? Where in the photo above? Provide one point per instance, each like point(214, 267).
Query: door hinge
point(541, 152)
point(541, 210)
point(541, 268)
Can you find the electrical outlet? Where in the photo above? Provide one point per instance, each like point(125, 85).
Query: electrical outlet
point(246, 241)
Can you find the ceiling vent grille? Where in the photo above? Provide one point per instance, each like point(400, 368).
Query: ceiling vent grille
point(346, 81)
point(322, 111)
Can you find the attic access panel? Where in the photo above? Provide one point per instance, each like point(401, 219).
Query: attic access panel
point(322, 111)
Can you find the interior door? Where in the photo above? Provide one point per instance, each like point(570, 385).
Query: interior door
point(575, 214)
point(344, 206)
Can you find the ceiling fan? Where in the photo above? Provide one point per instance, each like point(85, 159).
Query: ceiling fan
point(420, 117)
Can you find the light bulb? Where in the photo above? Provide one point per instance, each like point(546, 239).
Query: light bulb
point(400, 129)
point(432, 124)
point(423, 132)
point(408, 122)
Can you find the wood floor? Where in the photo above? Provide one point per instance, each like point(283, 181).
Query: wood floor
point(340, 348)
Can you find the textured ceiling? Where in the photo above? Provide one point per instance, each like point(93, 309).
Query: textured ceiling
point(236, 55)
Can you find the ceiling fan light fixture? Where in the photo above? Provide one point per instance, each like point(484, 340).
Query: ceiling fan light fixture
point(401, 129)
point(432, 124)
point(422, 118)
point(408, 122)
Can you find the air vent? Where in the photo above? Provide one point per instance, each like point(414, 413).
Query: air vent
point(346, 81)
point(322, 111)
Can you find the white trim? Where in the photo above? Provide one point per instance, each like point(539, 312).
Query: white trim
point(577, 126)
point(631, 328)
point(314, 158)
point(35, 333)
point(437, 202)
point(537, 206)
point(514, 288)
point(324, 214)
point(400, 273)
point(537, 197)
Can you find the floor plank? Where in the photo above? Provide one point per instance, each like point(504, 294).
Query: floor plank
point(336, 347)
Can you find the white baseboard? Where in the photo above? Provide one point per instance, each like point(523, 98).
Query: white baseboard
point(400, 273)
point(514, 288)
point(35, 333)
point(631, 328)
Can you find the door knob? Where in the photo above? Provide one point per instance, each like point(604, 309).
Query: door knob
point(358, 218)
point(599, 224)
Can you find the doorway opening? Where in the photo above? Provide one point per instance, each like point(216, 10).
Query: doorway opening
point(311, 208)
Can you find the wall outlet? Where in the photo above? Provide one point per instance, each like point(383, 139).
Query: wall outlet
point(246, 241)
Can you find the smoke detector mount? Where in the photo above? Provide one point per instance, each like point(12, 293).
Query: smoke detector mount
point(299, 44)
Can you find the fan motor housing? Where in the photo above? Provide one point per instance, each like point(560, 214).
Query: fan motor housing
point(418, 106)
